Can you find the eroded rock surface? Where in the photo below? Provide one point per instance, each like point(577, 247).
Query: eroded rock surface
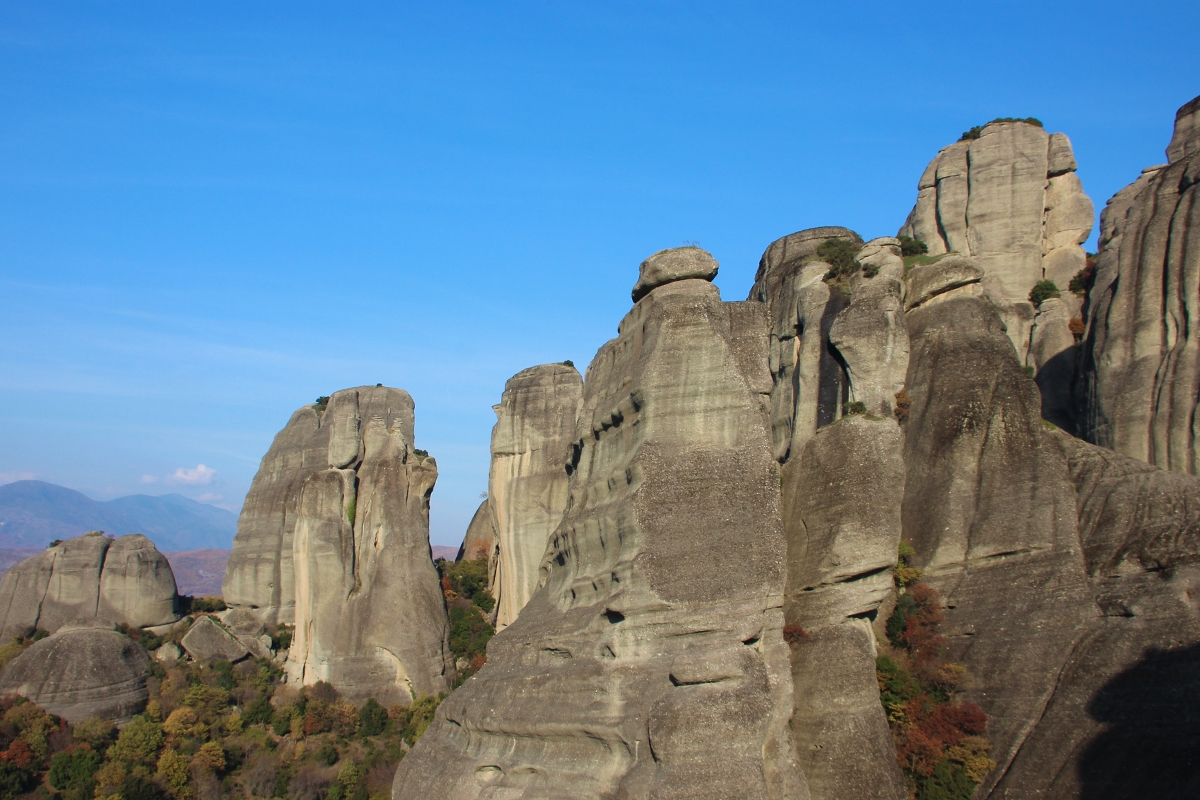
point(84, 670)
point(122, 580)
point(480, 540)
point(809, 382)
point(1142, 353)
point(990, 508)
point(369, 613)
point(653, 619)
point(841, 514)
point(527, 485)
point(677, 264)
point(1010, 200)
point(872, 339)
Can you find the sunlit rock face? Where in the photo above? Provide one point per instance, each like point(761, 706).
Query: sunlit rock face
point(527, 486)
point(658, 611)
point(339, 514)
point(123, 580)
point(1011, 201)
point(1141, 376)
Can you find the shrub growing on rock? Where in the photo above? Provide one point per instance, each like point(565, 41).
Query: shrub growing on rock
point(1042, 291)
point(912, 247)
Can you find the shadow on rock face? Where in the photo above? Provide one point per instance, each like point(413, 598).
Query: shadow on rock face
point(1151, 747)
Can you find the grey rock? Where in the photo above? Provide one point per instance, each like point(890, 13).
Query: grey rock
point(1121, 705)
point(370, 617)
point(841, 513)
point(1141, 360)
point(677, 264)
point(1011, 201)
point(82, 671)
point(125, 580)
point(256, 646)
point(636, 637)
point(480, 539)
point(207, 640)
point(1054, 356)
point(872, 338)
point(169, 653)
point(527, 485)
point(927, 281)
point(883, 254)
point(808, 381)
point(242, 621)
point(990, 509)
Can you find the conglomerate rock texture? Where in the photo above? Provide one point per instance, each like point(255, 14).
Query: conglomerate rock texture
point(122, 580)
point(1009, 199)
point(658, 612)
point(1141, 371)
point(339, 514)
point(527, 485)
point(87, 669)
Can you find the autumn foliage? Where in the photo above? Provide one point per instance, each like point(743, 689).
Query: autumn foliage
point(941, 742)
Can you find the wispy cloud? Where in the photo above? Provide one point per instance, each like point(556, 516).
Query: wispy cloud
point(149, 479)
point(199, 476)
point(11, 477)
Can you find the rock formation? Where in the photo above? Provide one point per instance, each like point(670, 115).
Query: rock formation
point(343, 498)
point(527, 486)
point(658, 611)
point(480, 540)
point(84, 670)
point(841, 513)
point(1009, 199)
point(206, 640)
point(122, 580)
point(1142, 353)
point(809, 380)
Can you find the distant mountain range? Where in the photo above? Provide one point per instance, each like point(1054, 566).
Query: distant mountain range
point(34, 513)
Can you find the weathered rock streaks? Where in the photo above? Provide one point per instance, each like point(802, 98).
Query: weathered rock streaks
point(1010, 200)
point(1141, 370)
point(636, 637)
point(339, 512)
point(84, 670)
point(122, 580)
point(527, 485)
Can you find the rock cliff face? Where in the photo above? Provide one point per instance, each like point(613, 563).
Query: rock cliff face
point(343, 500)
point(480, 539)
point(527, 486)
point(123, 580)
point(658, 611)
point(1142, 353)
point(1009, 199)
point(87, 669)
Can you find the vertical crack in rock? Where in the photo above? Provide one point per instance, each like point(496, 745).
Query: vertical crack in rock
point(669, 558)
point(1141, 362)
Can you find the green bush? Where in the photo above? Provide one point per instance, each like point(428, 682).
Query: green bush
point(322, 403)
point(200, 605)
point(568, 363)
point(912, 247)
point(1083, 280)
point(1042, 291)
point(839, 255)
point(854, 407)
point(977, 131)
point(373, 718)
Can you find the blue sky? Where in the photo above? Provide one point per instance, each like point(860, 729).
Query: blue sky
point(212, 212)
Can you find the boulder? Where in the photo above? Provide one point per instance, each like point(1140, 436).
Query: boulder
point(667, 266)
point(242, 621)
point(207, 640)
point(658, 612)
point(368, 607)
point(123, 580)
point(169, 653)
point(1011, 201)
point(84, 670)
point(1141, 355)
point(527, 485)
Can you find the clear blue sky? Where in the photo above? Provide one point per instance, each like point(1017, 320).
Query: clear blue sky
point(212, 212)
